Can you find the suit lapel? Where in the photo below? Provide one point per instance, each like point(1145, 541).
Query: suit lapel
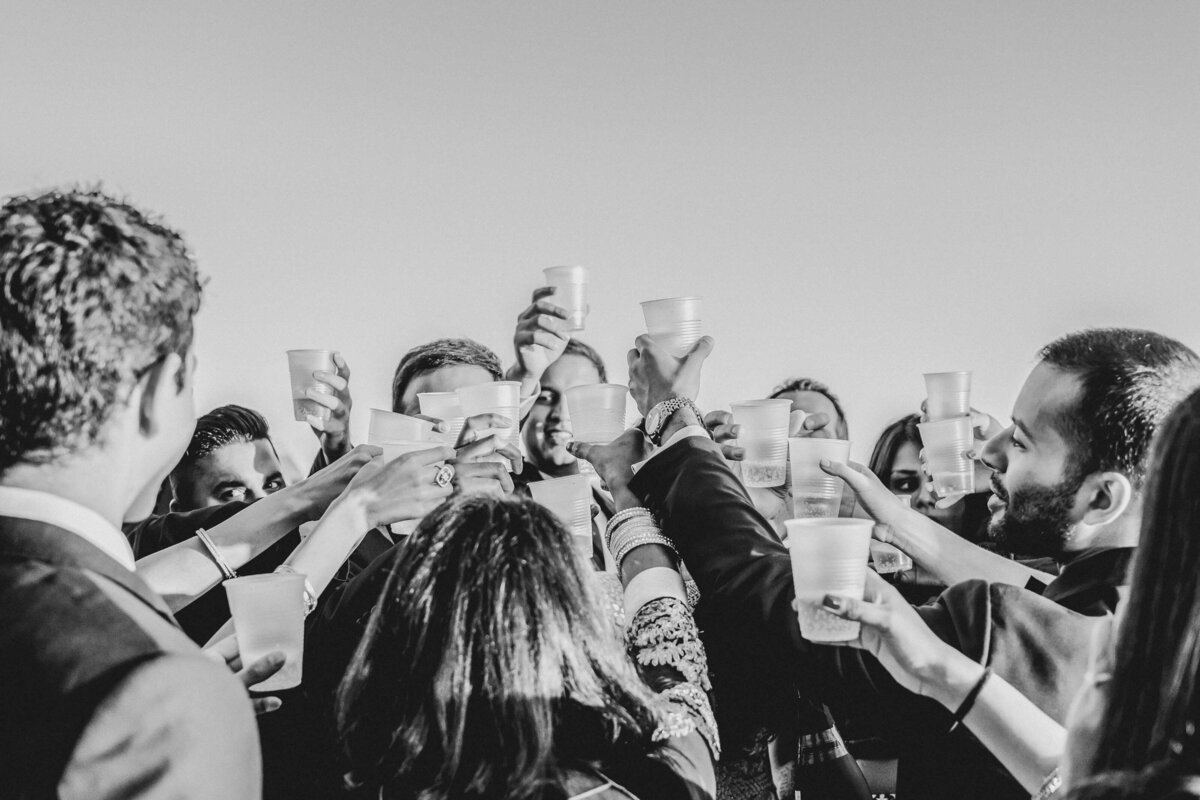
point(31, 540)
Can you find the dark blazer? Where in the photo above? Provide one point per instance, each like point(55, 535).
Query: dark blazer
point(757, 655)
point(101, 696)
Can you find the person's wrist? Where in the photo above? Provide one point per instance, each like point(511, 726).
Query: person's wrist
point(680, 419)
point(623, 496)
point(357, 506)
point(951, 678)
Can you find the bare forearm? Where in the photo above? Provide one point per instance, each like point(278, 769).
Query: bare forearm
point(331, 542)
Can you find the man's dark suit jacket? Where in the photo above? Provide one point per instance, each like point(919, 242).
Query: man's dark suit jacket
point(1037, 643)
point(101, 696)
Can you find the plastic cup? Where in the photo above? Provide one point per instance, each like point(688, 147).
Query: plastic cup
point(816, 493)
point(946, 444)
point(393, 450)
point(764, 437)
point(268, 615)
point(829, 556)
point(597, 412)
point(674, 323)
point(569, 499)
point(302, 364)
point(444, 406)
point(570, 292)
point(889, 558)
point(947, 395)
point(387, 427)
point(497, 397)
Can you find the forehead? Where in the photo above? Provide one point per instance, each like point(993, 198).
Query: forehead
point(248, 462)
point(811, 403)
point(449, 378)
point(570, 371)
point(1048, 394)
point(907, 458)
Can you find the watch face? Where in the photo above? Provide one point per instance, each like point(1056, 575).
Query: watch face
point(654, 419)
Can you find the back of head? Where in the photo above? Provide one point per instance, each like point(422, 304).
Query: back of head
point(441, 353)
point(486, 667)
point(214, 430)
point(1130, 381)
point(1153, 702)
point(902, 431)
point(841, 426)
point(93, 293)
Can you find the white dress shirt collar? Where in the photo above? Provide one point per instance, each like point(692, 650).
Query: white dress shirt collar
point(70, 516)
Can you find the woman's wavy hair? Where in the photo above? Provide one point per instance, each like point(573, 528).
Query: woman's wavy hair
point(1147, 747)
point(901, 432)
point(486, 669)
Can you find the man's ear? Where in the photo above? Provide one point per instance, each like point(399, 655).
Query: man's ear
point(1108, 496)
point(158, 386)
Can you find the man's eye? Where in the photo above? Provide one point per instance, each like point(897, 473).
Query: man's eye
point(546, 397)
point(232, 494)
point(1017, 443)
point(275, 485)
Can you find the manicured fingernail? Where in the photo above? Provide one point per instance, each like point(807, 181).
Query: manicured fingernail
point(832, 601)
point(825, 462)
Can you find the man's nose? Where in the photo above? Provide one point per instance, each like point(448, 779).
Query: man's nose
point(993, 453)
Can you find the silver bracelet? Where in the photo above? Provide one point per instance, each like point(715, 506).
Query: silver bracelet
point(633, 544)
point(215, 554)
point(619, 519)
point(631, 528)
point(310, 594)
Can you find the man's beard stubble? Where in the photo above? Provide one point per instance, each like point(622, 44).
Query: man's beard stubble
point(1036, 521)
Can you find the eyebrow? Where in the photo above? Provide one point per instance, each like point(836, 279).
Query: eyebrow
point(1024, 429)
point(223, 485)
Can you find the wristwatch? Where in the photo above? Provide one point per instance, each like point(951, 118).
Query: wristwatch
point(657, 418)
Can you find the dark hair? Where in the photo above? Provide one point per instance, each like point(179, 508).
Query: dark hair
point(219, 427)
point(441, 353)
point(1148, 729)
point(487, 668)
point(578, 348)
point(93, 294)
point(842, 427)
point(901, 432)
point(1131, 379)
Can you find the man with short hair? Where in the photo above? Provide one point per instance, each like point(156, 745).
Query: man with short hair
point(231, 458)
point(101, 695)
point(813, 397)
point(1069, 476)
point(443, 365)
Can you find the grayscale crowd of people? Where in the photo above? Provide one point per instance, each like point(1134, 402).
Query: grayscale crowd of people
point(458, 644)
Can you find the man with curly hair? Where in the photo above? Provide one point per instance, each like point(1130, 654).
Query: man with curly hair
point(101, 695)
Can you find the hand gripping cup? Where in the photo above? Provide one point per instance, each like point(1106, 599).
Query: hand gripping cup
point(597, 412)
point(946, 445)
point(569, 499)
point(829, 556)
point(570, 292)
point(674, 323)
point(387, 427)
point(947, 395)
point(268, 615)
point(497, 397)
point(444, 406)
point(815, 493)
point(393, 450)
point(763, 435)
point(301, 365)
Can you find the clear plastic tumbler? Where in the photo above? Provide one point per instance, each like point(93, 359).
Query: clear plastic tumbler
point(946, 444)
point(570, 292)
point(815, 493)
point(597, 412)
point(763, 435)
point(569, 499)
point(444, 406)
point(497, 397)
point(829, 556)
point(387, 426)
point(268, 615)
point(674, 323)
point(301, 365)
point(947, 395)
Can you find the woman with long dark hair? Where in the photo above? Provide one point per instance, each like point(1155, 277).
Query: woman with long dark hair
point(489, 670)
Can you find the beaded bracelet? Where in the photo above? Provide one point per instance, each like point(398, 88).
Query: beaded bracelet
point(215, 554)
point(631, 544)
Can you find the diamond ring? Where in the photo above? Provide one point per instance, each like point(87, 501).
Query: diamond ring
point(444, 475)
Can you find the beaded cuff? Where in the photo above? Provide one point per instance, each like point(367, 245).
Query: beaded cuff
point(663, 633)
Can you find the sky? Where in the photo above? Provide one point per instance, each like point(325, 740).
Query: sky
point(862, 191)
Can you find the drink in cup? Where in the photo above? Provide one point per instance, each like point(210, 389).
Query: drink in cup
point(301, 366)
point(946, 443)
point(816, 493)
point(570, 292)
point(674, 323)
point(829, 556)
point(889, 558)
point(763, 434)
point(444, 406)
point(268, 615)
point(388, 426)
point(597, 412)
point(947, 395)
point(569, 499)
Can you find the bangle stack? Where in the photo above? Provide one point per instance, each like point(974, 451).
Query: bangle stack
point(215, 554)
point(632, 528)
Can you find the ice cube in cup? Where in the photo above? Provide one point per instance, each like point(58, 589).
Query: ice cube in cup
point(887, 558)
point(674, 323)
point(570, 292)
point(829, 556)
point(301, 366)
point(268, 615)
